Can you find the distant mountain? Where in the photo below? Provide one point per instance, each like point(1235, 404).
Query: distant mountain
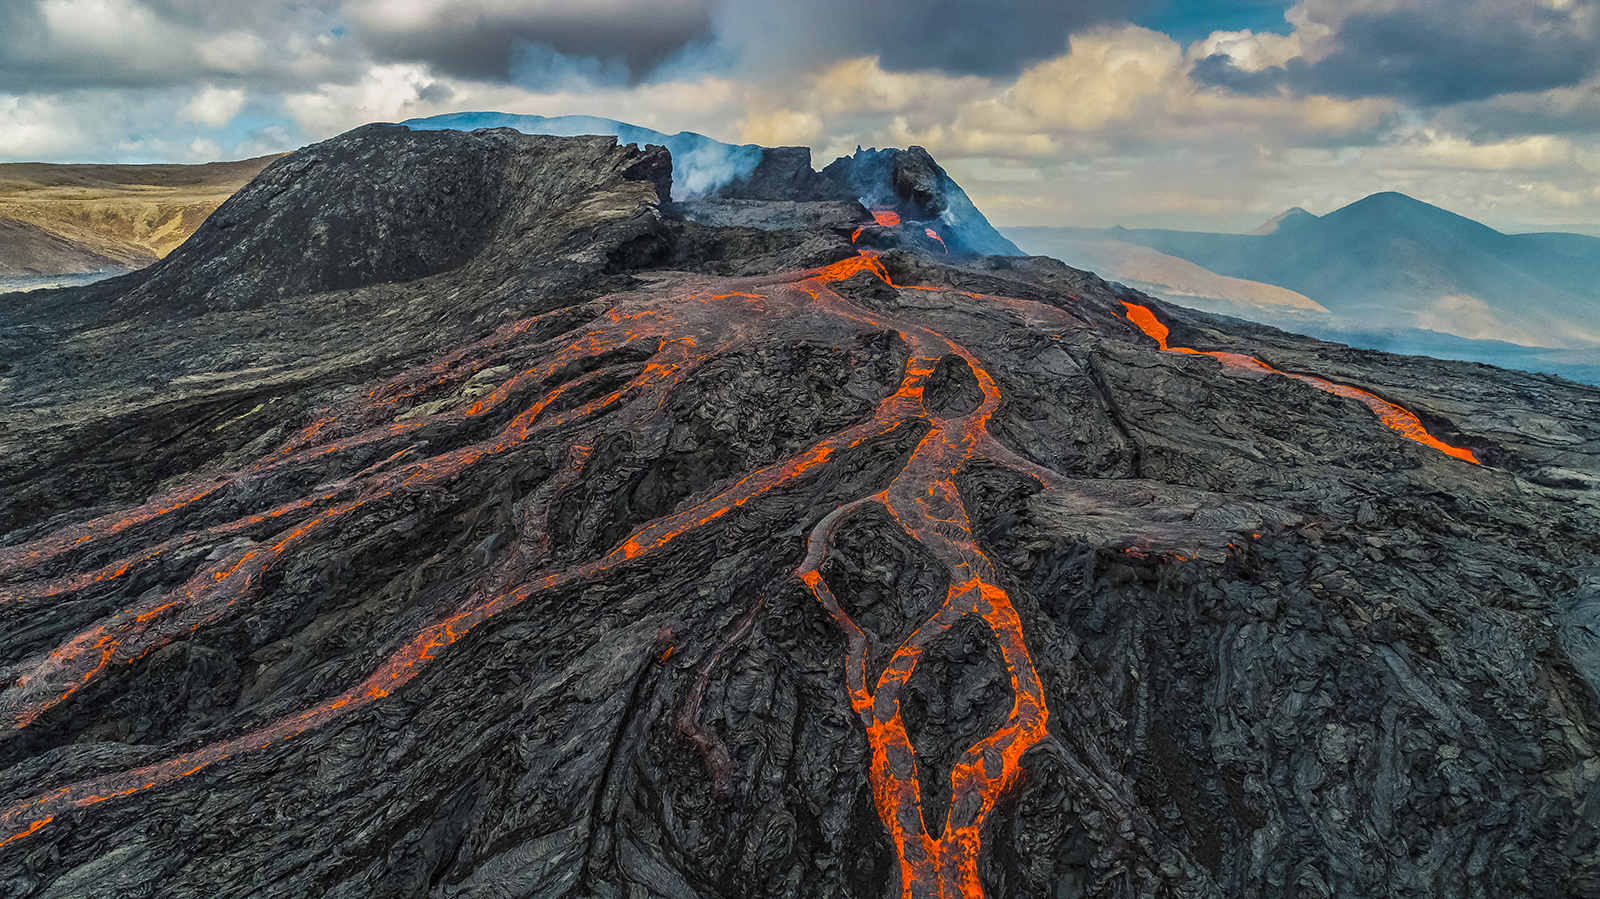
point(75, 219)
point(1391, 262)
point(1290, 219)
point(1178, 280)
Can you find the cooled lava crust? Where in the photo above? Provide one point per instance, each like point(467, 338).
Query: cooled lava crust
point(458, 515)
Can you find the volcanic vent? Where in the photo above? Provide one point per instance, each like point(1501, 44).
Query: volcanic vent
point(516, 530)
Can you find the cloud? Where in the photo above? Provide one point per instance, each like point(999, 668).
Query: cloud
point(1568, 110)
point(54, 45)
point(121, 126)
point(491, 40)
point(32, 128)
point(1048, 112)
point(214, 106)
point(1108, 76)
point(993, 39)
point(236, 52)
point(949, 37)
point(1427, 52)
point(1432, 149)
point(386, 93)
point(781, 128)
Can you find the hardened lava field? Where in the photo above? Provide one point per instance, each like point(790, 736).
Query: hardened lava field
point(626, 550)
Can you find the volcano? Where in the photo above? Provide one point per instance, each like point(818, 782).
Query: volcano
point(462, 514)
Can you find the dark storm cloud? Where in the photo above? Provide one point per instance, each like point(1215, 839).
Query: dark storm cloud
point(292, 44)
point(48, 45)
point(1454, 52)
point(1438, 52)
point(295, 44)
point(960, 37)
point(487, 39)
point(1574, 112)
point(492, 40)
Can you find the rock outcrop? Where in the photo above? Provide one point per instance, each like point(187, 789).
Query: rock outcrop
point(454, 516)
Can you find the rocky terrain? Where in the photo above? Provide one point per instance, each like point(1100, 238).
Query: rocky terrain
point(73, 219)
point(465, 515)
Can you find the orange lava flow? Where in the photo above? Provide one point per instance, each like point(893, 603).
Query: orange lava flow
point(883, 217)
point(935, 235)
point(1390, 414)
point(934, 858)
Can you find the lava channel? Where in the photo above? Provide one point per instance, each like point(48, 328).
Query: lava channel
point(935, 859)
point(1396, 417)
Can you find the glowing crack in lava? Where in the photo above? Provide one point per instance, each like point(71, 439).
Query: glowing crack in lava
point(882, 217)
point(1394, 416)
point(684, 329)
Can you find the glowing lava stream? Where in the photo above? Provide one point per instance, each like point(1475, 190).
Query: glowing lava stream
point(1394, 416)
point(941, 860)
point(297, 450)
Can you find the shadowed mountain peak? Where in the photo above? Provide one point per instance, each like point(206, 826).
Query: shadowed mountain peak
point(1288, 219)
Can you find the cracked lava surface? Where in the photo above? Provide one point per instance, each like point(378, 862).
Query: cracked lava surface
point(935, 858)
point(1396, 417)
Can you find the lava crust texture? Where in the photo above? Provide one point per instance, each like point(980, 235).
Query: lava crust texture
point(454, 515)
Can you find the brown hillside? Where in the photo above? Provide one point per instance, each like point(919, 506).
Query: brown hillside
point(57, 219)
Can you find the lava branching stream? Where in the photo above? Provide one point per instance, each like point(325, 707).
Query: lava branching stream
point(1396, 417)
point(678, 332)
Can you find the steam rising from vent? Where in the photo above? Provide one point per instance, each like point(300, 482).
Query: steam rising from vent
point(906, 184)
point(700, 165)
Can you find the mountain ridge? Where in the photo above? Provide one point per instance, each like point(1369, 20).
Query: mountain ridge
point(1392, 262)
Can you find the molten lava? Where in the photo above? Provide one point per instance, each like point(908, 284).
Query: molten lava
point(883, 217)
point(935, 858)
point(935, 235)
point(1390, 414)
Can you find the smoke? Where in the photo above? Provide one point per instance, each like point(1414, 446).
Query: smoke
point(700, 165)
point(701, 168)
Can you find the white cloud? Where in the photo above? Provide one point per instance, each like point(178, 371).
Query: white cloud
point(1109, 75)
point(204, 150)
point(115, 28)
point(33, 128)
point(385, 94)
point(1249, 51)
point(781, 128)
point(1431, 149)
point(214, 106)
point(237, 51)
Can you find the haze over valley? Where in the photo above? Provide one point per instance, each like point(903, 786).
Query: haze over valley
point(1387, 272)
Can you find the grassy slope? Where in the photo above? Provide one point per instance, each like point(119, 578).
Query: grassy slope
point(70, 218)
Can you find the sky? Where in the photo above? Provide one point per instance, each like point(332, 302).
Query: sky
point(1207, 115)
